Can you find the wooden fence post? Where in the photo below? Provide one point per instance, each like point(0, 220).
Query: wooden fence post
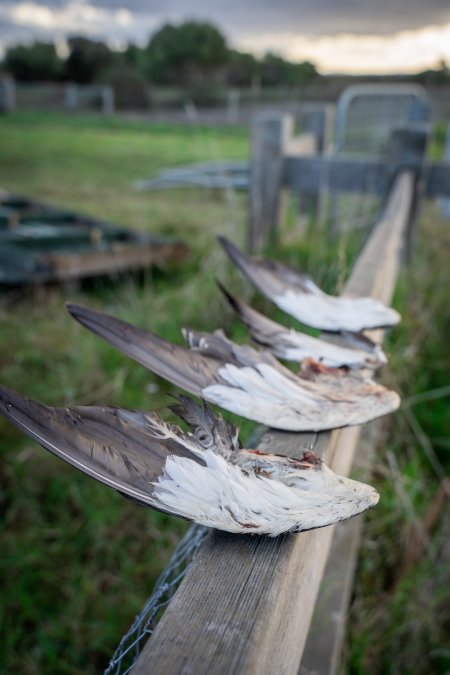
point(107, 99)
point(233, 98)
point(406, 152)
point(7, 94)
point(317, 120)
point(269, 136)
point(71, 96)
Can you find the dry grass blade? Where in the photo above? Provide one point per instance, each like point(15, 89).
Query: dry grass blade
point(423, 441)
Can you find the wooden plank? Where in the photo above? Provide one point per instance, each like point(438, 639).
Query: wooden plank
point(305, 145)
point(270, 136)
point(115, 259)
point(330, 613)
point(311, 174)
point(246, 603)
point(324, 643)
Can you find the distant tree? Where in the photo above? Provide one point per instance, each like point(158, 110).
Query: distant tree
point(35, 62)
point(135, 56)
point(276, 70)
point(302, 73)
point(432, 77)
point(87, 59)
point(242, 69)
point(191, 53)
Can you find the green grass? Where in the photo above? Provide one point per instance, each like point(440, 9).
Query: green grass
point(77, 559)
point(399, 621)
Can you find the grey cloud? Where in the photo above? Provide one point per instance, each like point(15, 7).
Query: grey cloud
point(307, 17)
point(252, 19)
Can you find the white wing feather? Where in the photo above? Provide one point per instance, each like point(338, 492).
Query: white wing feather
point(327, 312)
point(220, 495)
point(265, 395)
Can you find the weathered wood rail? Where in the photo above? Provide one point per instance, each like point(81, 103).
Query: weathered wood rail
point(246, 603)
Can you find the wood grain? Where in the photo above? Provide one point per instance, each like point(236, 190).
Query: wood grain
point(270, 135)
point(246, 603)
point(117, 258)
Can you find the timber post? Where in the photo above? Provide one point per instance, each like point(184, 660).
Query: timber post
point(269, 135)
point(406, 152)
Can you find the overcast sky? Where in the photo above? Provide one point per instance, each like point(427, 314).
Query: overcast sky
point(338, 35)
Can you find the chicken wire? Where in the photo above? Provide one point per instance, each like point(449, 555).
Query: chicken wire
point(131, 644)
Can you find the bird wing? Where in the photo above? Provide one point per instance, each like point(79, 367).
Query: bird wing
point(292, 345)
point(124, 449)
point(158, 465)
point(251, 383)
point(297, 295)
point(190, 370)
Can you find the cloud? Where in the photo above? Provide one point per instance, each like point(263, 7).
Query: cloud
point(310, 17)
point(336, 34)
point(28, 21)
point(408, 51)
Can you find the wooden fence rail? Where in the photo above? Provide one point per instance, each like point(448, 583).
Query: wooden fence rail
point(246, 603)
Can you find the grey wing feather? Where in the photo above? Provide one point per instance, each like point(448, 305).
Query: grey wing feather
point(126, 450)
point(188, 369)
point(270, 277)
point(262, 329)
point(355, 340)
point(216, 345)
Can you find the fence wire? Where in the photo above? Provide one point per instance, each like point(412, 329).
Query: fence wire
point(144, 624)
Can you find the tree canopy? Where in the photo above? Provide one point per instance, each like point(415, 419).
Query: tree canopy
point(188, 53)
point(87, 59)
point(194, 54)
point(36, 62)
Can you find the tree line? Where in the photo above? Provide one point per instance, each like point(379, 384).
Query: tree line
point(189, 54)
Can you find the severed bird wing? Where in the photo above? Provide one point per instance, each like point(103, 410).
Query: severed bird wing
point(158, 465)
point(292, 345)
point(248, 382)
point(297, 295)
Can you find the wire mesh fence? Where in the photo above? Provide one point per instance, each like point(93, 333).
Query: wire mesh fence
point(130, 646)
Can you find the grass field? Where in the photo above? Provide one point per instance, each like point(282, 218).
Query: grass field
point(78, 560)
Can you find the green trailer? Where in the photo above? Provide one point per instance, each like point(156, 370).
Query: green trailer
point(42, 243)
